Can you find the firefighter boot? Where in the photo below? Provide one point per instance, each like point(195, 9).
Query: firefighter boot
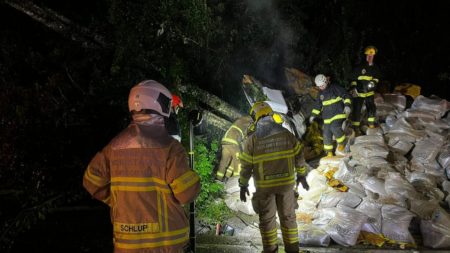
point(371, 125)
point(340, 149)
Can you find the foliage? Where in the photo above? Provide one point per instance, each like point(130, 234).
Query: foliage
point(209, 204)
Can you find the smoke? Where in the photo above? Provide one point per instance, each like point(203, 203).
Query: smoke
point(280, 53)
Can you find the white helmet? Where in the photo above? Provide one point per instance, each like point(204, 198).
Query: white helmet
point(150, 95)
point(320, 80)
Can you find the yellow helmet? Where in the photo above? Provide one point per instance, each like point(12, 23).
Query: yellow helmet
point(370, 50)
point(259, 110)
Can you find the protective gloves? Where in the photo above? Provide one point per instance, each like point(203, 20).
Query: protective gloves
point(347, 110)
point(302, 180)
point(244, 192)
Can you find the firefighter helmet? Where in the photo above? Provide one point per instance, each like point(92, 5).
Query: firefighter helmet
point(259, 110)
point(320, 80)
point(370, 50)
point(150, 95)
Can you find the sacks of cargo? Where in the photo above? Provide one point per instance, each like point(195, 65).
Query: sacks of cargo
point(311, 235)
point(345, 225)
point(373, 210)
point(395, 223)
point(432, 105)
point(436, 231)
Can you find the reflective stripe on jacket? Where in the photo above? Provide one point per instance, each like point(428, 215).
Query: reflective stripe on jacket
point(330, 103)
point(271, 155)
point(144, 176)
point(362, 76)
point(236, 133)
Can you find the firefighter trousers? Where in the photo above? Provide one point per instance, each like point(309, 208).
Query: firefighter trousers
point(266, 205)
point(370, 108)
point(334, 128)
point(229, 162)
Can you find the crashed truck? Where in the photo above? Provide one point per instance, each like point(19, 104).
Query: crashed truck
point(391, 192)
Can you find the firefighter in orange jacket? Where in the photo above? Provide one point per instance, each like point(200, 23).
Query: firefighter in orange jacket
point(333, 105)
point(231, 147)
point(364, 81)
point(274, 157)
point(144, 176)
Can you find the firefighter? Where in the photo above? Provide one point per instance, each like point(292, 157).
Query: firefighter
point(333, 104)
point(231, 147)
point(362, 88)
point(144, 176)
point(274, 158)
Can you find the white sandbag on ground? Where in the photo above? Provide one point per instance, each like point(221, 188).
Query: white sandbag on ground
point(374, 185)
point(426, 150)
point(402, 126)
point(423, 208)
point(369, 150)
point(444, 158)
point(399, 145)
point(433, 105)
point(395, 223)
point(398, 187)
point(369, 139)
point(330, 199)
point(373, 210)
point(436, 232)
point(421, 179)
point(350, 199)
point(311, 235)
point(345, 226)
point(398, 100)
point(446, 187)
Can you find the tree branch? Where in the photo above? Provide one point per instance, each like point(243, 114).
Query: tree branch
point(59, 23)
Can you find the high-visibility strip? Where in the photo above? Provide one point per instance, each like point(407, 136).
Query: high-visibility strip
point(335, 117)
point(220, 174)
point(129, 188)
point(347, 101)
point(148, 235)
point(371, 119)
point(231, 141)
point(266, 184)
point(139, 180)
point(152, 242)
point(136, 229)
point(142, 182)
point(315, 111)
point(229, 172)
point(376, 80)
point(290, 231)
point(165, 214)
point(94, 179)
point(159, 206)
point(341, 139)
point(301, 170)
point(185, 181)
point(328, 147)
point(367, 94)
point(272, 156)
point(365, 78)
point(269, 237)
point(356, 123)
point(353, 83)
point(331, 101)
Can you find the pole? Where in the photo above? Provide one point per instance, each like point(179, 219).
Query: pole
point(192, 204)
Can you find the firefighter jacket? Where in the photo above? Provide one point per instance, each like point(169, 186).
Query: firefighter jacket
point(273, 156)
point(144, 176)
point(365, 78)
point(330, 103)
point(237, 132)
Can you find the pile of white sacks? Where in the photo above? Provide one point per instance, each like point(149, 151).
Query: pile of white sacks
point(395, 173)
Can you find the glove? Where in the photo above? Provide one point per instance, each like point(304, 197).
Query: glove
point(353, 92)
point(311, 119)
point(244, 191)
point(347, 110)
point(302, 180)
